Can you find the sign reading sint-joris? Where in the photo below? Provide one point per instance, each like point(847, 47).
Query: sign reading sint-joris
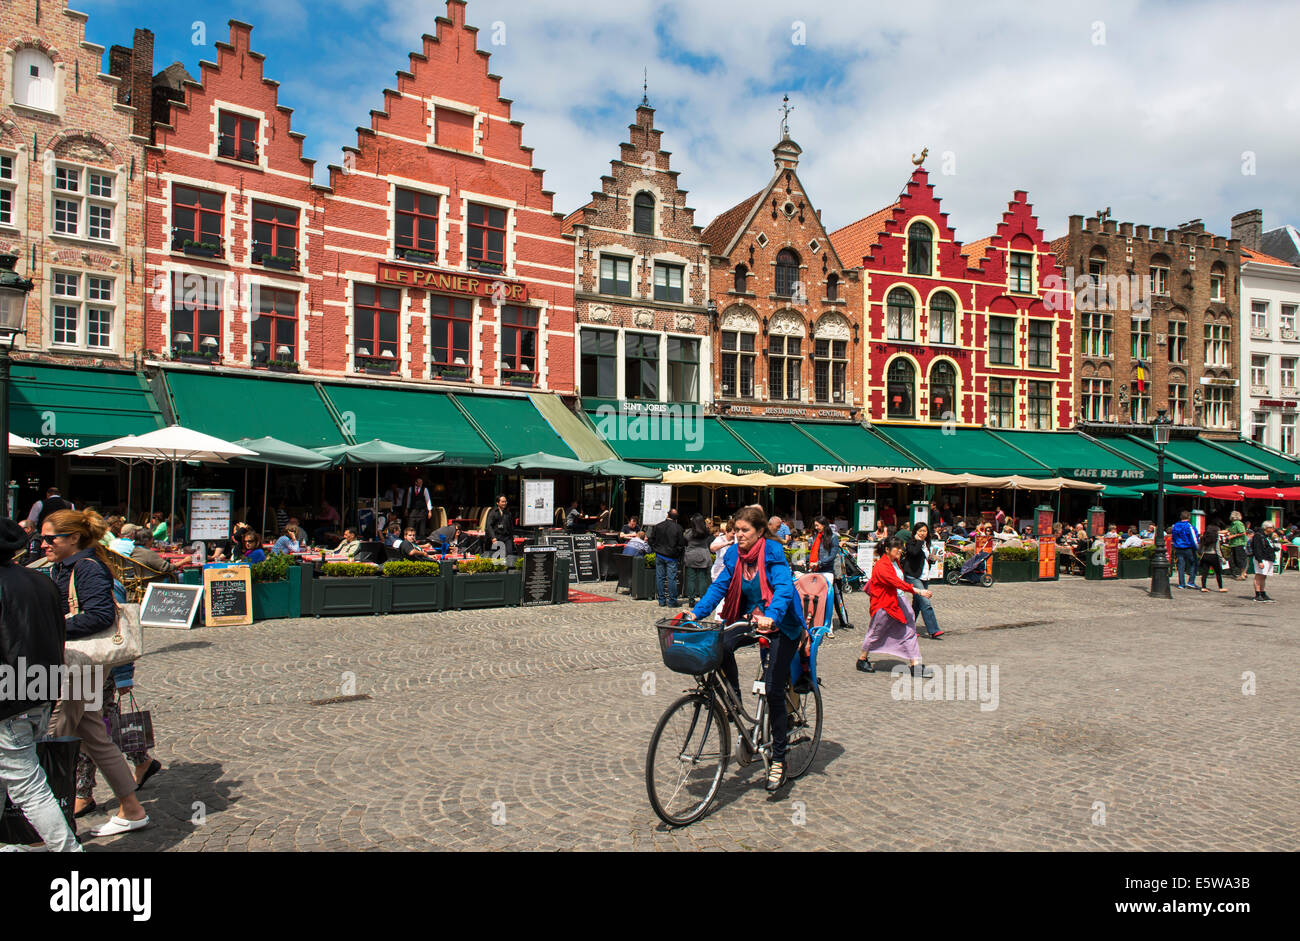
point(391, 274)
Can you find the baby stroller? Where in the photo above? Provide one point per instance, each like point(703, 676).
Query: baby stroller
point(973, 572)
point(854, 578)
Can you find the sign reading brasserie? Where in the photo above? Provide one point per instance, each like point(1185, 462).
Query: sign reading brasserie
point(452, 282)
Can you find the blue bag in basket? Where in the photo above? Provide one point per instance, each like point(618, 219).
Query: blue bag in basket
point(691, 648)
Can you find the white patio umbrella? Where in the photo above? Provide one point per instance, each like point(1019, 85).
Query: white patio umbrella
point(95, 450)
point(20, 445)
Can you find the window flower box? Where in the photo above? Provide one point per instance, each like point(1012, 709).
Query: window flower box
point(457, 372)
point(201, 249)
point(514, 377)
point(282, 365)
point(196, 356)
point(487, 267)
point(376, 367)
point(280, 262)
point(415, 257)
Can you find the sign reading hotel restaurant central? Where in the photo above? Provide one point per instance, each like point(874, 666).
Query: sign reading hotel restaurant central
point(453, 282)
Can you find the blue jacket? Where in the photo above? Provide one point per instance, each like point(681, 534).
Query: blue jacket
point(784, 608)
point(94, 584)
point(1184, 535)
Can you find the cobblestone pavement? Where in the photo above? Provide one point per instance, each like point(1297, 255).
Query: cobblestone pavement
point(1121, 723)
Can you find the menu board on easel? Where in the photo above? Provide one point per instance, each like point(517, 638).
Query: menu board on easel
point(537, 503)
point(227, 595)
point(563, 550)
point(210, 514)
point(585, 559)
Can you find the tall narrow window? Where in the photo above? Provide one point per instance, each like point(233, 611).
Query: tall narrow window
point(1159, 279)
point(1040, 343)
point(1096, 400)
point(81, 319)
point(198, 219)
point(275, 235)
point(376, 314)
point(943, 391)
point(519, 342)
point(1140, 409)
point(1259, 372)
point(1218, 406)
point(1097, 284)
point(1177, 341)
point(1259, 318)
point(275, 328)
point(1217, 344)
point(237, 137)
point(1287, 321)
point(196, 316)
point(738, 356)
point(1140, 339)
point(1287, 372)
point(1002, 341)
point(641, 366)
point(1020, 270)
point(615, 276)
point(6, 189)
point(1287, 437)
point(600, 363)
point(832, 287)
point(741, 282)
point(643, 214)
point(415, 225)
point(1258, 427)
point(1040, 406)
point(900, 323)
point(450, 321)
point(486, 238)
point(1178, 402)
point(787, 272)
point(1002, 403)
point(943, 318)
point(683, 369)
point(668, 283)
point(920, 249)
point(901, 389)
point(784, 360)
point(830, 364)
point(1096, 328)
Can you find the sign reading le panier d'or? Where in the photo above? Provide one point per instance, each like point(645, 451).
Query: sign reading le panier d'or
point(451, 282)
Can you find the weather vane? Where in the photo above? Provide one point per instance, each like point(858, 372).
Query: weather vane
point(786, 108)
point(645, 86)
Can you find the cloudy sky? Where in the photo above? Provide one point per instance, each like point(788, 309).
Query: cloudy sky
point(1162, 111)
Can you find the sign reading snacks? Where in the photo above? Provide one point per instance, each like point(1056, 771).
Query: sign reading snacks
point(227, 595)
point(451, 282)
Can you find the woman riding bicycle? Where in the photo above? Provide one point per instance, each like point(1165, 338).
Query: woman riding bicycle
point(763, 592)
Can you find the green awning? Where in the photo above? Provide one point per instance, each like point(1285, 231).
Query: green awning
point(856, 447)
point(673, 441)
point(375, 452)
point(787, 449)
point(65, 408)
point(961, 450)
point(1145, 455)
point(413, 418)
point(513, 425)
point(233, 407)
point(282, 454)
point(541, 461)
point(1123, 493)
point(1283, 470)
point(1210, 465)
point(584, 442)
point(1075, 455)
point(1174, 489)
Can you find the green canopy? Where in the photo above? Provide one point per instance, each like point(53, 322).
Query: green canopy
point(1122, 493)
point(377, 452)
point(613, 467)
point(540, 460)
point(1169, 488)
point(283, 454)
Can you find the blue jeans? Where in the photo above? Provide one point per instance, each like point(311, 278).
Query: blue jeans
point(1186, 562)
point(22, 778)
point(666, 580)
point(923, 606)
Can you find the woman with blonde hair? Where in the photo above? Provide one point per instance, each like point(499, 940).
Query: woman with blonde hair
point(79, 567)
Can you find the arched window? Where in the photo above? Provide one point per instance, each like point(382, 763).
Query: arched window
point(920, 245)
point(787, 272)
point(742, 279)
point(643, 214)
point(943, 391)
point(901, 389)
point(33, 79)
point(901, 319)
point(943, 318)
point(832, 287)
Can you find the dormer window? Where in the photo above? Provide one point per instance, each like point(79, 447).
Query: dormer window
point(237, 137)
point(33, 79)
point(643, 214)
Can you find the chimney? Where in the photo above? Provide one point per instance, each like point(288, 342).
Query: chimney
point(1249, 227)
point(134, 69)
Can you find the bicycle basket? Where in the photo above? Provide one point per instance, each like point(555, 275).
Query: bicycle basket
point(693, 647)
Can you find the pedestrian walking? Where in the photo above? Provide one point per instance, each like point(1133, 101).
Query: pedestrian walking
point(1262, 551)
point(1187, 542)
point(696, 559)
point(822, 556)
point(893, 626)
point(668, 543)
point(1237, 545)
point(31, 638)
point(1210, 559)
point(85, 584)
point(916, 559)
point(723, 538)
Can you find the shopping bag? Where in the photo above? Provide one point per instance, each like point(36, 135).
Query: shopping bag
point(58, 758)
point(130, 729)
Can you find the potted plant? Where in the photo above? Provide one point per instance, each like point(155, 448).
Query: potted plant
point(415, 256)
point(452, 371)
point(201, 249)
point(348, 588)
point(485, 583)
point(203, 357)
point(277, 589)
point(415, 586)
point(643, 578)
point(1135, 561)
point(281, 262)
point(282, 365)
point(487, 267)
point(376, 365)
point(1015, 564)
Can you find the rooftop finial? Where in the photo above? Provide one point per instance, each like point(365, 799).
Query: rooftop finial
point(786, 108)
point(645, 87)
point(925, 152)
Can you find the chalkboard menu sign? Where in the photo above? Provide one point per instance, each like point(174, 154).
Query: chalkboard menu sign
point(227, 595)
point(584, 558)
point(167, 605)
point(563, 550)
point(539, 574)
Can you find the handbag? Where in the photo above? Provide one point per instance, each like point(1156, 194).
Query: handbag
point(119, 643)
point(130, 731)
point(58, 759)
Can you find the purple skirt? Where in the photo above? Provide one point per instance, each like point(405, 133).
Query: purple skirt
point(892, 638)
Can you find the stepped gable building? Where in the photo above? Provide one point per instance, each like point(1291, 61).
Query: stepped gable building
point(788, 308)
point(445, 258)
point(1163, 301)
point(971, 335)
point(641, 278)
point(71, 182)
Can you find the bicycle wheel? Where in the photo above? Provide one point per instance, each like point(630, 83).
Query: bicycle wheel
point(686, 760)
point(805, 733)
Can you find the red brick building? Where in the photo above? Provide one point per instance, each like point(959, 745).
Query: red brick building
point(786, 343)
point(973, 335)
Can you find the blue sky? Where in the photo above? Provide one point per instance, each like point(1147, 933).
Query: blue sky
point(1157, 110)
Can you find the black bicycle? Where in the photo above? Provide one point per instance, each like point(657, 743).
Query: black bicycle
point(691, 745)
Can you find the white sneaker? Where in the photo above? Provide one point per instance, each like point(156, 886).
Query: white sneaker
point(118, 825)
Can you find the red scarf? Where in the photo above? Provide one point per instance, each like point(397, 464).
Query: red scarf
point(815, 552)
point(731, 602)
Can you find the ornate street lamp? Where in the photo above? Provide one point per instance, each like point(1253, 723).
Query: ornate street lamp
point(13, 321)
point(1160, 560)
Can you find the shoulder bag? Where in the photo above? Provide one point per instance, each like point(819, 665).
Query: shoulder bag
point(119, 643)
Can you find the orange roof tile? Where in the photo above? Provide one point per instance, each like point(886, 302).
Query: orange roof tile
point(566, 227)
point(975, 252)
point(719, 233)
point(1248, 254)
point(853, 242)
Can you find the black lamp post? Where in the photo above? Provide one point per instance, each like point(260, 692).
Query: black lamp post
point(13, 321)
point(1160, 560)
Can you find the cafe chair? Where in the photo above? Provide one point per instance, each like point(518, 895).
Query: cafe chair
point(373, 551)
point(602, 524)
point(623, 566)
point(482, 519)
point(439, 518)
point(134, 576)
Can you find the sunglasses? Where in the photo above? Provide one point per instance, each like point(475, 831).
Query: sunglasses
point(49, 540)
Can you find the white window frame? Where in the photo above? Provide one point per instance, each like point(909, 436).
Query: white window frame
point(1159, 279)
point(1216, 287)
point(1286, 319)
point(1259, 371)
point(1259, 427)
point(1287, 371)
point(1259, 318)
point(9, 184)
point(1178, 402)
point(1098, 328)
point(1218, 406)
point(1217, 344)
point(1286, 440)
point(1096, 399)
point(84, 304)
point(1140, 340)
point(1012, 284)
point(84, 200)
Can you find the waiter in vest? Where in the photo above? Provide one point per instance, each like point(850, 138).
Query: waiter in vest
point(51, 504)
point(419, 506)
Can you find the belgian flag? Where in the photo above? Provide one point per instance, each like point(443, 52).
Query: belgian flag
point(1141, 376)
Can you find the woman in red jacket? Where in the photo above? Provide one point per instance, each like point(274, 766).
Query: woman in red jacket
point(893, 626)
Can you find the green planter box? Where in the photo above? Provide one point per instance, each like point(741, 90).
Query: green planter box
point(1134, 568)
point(1090, 571)
point(333, 597)
point(419, 593)
point(486, 590)
point(1015, 571)
point(281, 599)
point(643, 581)
point(560, 585)
point(193, 576)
